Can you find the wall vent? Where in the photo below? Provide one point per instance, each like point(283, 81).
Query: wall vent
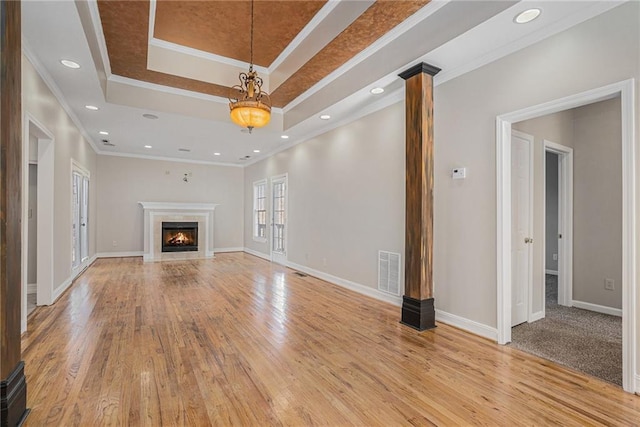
point(389, 272)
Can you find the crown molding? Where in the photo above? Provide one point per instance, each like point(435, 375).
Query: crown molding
point(57, 93)
point(169, 159)
point(97, 28)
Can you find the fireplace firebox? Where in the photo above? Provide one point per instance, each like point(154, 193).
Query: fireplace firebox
point(179, 236)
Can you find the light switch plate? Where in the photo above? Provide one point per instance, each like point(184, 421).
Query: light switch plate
point(459, 173)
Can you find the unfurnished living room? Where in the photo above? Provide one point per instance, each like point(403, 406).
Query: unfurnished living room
point(319, 212)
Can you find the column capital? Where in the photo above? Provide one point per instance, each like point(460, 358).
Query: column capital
point(422, 67)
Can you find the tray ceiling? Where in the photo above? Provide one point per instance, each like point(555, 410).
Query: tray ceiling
point(222, 28)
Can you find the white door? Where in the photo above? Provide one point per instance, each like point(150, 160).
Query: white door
point(279, 219)
point(521, 225)
point(80, 218)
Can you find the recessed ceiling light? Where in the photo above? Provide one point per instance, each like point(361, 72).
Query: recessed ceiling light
point(91, 107)
point(284, 136)
point(150, 116)
point(148, 146)
point(377, 90)
point(216, 154)
point(104, 132)
point(70, 64)
point(325, 117)
point(256, 151)
point(527, 16)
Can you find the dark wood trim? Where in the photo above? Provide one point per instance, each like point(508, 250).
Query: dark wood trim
point(13, 398)
point(422, 67)
point(419, 314)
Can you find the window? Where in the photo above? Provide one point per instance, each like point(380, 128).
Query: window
point(260, 211)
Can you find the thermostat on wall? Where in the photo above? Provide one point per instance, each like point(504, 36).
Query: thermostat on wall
point(459, 173)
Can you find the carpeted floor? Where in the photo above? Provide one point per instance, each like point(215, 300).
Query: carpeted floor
point(580, 339)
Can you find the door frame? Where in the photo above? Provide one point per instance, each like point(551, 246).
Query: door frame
point(44, 218)
point(565, 221)
point(84, 172)
point(624, 89)
point(275, 256)
point(529, 286)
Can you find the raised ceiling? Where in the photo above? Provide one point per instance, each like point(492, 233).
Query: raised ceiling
point(222, 28)
point(344, 49)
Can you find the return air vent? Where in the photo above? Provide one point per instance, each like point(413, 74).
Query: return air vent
point(389, 272)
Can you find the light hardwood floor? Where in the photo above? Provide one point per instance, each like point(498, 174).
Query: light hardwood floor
point(239, 341)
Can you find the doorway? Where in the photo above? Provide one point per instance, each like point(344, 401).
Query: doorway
point(80, 217)
point(37, 215)
point(279, 219)
point(625, 90)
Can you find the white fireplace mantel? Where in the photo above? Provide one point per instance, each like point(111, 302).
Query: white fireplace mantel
point(156, 212)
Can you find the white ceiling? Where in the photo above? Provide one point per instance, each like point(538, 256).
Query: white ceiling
point(457, 36)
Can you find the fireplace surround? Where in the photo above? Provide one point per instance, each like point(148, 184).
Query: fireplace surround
point(157, 213)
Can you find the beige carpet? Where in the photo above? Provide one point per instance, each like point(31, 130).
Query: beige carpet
point(580, 339)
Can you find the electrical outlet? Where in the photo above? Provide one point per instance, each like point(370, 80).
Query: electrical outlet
point(609, 284)
point(115, 243)
point(324, 262)
point(555, 257)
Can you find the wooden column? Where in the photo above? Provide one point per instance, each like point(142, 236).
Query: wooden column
point(13, 387)
point(417, 303)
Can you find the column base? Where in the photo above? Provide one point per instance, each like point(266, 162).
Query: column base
point(418, 314)
point(13, 398)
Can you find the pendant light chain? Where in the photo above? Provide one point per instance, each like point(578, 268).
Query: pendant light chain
point(251, 44)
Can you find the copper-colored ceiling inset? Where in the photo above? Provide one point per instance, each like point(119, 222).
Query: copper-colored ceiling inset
point(125, 27)
point(375, 22)
point(223, 27)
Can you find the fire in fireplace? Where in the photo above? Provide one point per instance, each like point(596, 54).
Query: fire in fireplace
point(179, 236)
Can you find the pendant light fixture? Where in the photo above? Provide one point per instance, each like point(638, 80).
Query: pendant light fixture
point(250, 106)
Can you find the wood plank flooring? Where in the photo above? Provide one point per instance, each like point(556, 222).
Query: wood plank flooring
point(239, 341)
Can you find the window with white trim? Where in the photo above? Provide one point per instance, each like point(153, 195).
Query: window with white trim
point(260, 210)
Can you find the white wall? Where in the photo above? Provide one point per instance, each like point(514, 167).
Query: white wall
point(346, 196)
point(597, 198)
point(335, 206)
point(40, 103)
point(552, 211)
point(598, 52)
point(123, 182)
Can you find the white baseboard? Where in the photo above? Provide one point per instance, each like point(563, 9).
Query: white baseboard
point(32, 288)
point(554, 272)
point(356, 287)
point(637, 389)
point(537, 316)
point(467, 325)
point(119, 254)
point(222, 250)
point(65, 285)
point(597, 308)
point(258, 254)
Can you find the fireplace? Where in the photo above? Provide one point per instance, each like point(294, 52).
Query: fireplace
point(179, 236)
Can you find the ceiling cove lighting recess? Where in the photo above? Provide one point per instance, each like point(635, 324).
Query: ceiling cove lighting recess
point(91, 107)
point(325, 117)
point(104, 132)
point(70, 64)
point(377, 90)
point(527, 16)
